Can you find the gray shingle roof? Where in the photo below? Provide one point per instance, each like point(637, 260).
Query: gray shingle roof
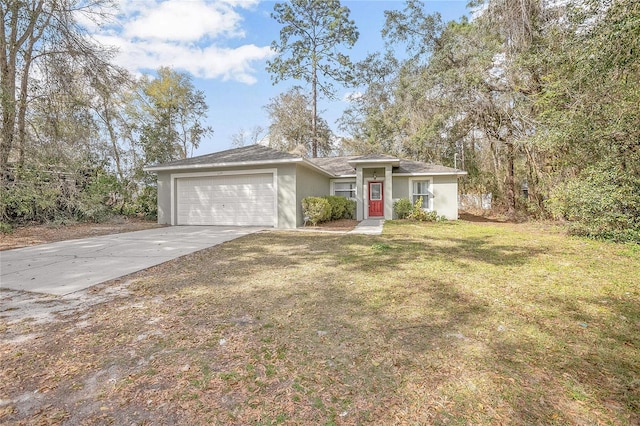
point(339, 166)
point(245, 154)
point(336, 166)
point(369, 157)
point(409, 166)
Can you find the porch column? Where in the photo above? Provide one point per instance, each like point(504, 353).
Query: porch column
point(360, 191)
point(388, 192)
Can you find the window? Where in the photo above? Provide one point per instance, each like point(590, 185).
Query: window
point(376, 191)
point(420, 188)
point(345, 189)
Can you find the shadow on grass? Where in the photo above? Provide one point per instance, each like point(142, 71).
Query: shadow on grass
point(360, 252)
point(383, 254)
point(385, 343)
point(315, 326)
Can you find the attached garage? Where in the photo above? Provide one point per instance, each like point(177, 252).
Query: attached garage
point(248, 186)
point(227, 200)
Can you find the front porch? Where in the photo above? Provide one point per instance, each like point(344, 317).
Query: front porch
point(374, 183)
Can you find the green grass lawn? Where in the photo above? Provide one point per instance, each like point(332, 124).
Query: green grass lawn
point(445, 323)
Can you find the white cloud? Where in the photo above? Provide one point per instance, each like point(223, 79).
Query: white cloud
point(191, 35)
point(352, 96)
point(184, 21)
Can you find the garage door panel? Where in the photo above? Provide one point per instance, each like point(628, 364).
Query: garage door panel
point(226, 200)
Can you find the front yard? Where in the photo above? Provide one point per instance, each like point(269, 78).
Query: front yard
point(446, 323)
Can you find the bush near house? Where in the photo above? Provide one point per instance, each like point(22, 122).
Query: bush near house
point(316, 210)
point(337, 205)
point(351, 210)
point(341, 207)
point(405, 210)
point(323, 209)
point(147, 202)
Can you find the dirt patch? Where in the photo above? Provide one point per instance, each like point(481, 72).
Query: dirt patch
point(31, 235)
point(20, 311)
point(335, 225)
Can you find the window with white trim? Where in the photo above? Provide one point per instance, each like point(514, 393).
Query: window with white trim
point(345, 189)
point(421, 188)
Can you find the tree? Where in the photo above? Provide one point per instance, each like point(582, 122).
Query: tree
point(590, 122)
point(171, 113)
point(418, 31)
point(60, 134)
point(528, 91)
point(36, 32)
point(111, 91)
point(291, 129)
point(247, 137)
point(370, 120)
point(308, 48)
point(457, 91)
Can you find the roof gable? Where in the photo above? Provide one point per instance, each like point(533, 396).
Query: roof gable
point(246, 154)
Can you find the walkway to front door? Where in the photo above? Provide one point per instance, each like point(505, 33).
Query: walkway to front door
point(376, 199)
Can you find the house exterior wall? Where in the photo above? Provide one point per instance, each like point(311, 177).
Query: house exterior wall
point(444, 188)
point(164, 198)
point(445, 196)
point(309, 184)
point(287, 196)
point(400, 188)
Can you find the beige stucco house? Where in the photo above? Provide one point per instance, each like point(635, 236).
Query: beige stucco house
point(260, 186)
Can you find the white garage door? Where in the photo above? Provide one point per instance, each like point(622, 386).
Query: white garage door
point(244, 200)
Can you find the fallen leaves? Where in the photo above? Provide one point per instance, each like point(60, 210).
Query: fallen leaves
point(456, 325)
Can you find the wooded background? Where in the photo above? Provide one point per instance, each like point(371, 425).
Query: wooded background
point(527, 94)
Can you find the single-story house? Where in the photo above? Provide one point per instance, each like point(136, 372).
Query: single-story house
point(259, 186)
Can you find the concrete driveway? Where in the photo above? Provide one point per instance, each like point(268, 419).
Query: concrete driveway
point(68, 266)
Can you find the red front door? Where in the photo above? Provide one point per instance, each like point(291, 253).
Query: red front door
point(376, 201)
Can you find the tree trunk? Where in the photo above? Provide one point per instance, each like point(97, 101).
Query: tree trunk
point(495, 162)
point(8, 51)
point(11, 45)
point(510, 183)
point(314, 118)
point(22, 101)
point(114, 140)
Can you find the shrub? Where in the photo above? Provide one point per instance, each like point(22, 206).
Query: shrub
point(351, 209)
point(316, 209)
point(341, 207)
point(601, 202)
point(34, 195)
point(95, 201)
point(338, 206)
point(5, 228)
point(33, 199)
point(403, 208)
point(417, 213)
point(147, 202)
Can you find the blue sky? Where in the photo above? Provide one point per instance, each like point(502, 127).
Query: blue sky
point(224, 45)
